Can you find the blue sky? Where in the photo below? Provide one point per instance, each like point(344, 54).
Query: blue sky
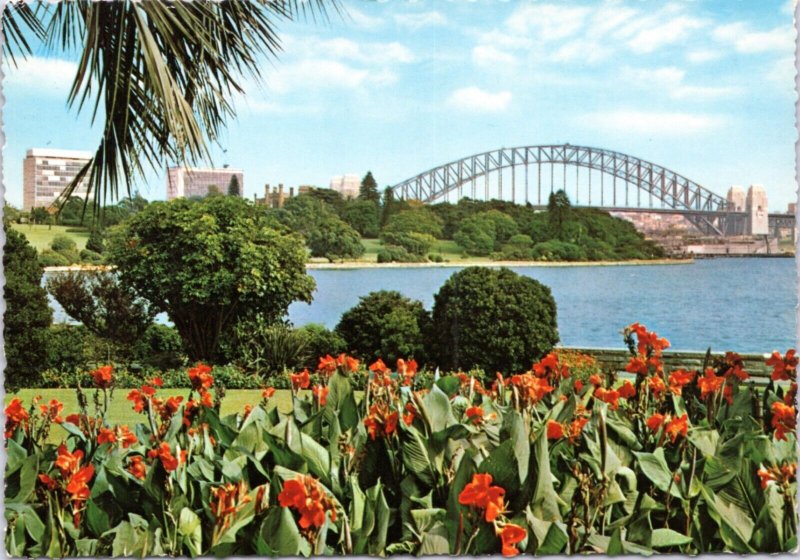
point(703, 88)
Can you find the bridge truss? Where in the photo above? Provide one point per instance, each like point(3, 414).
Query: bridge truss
point(704, 209)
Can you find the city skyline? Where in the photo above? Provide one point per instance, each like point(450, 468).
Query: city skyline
point(703, 88)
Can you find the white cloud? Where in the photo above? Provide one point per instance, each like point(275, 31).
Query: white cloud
point(789, 7)
point(370, 53)
point(747, 41)
point(478, 100)
point(547, 22)
point(782, 73)
point(420, 20)
point(703, 55)
point(315, 74)
point(492, 57)
point(670, 80)
point(48, 76)
point(657, 35)
point(652, 124)
point(360, 19)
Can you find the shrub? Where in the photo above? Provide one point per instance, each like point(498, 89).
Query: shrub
point(385, 325)
point(160, 347)
point(414, 243)
point(48, 257)
point(393, 253)
point(496, 320)
point(417, 220)
point(88, 256)
point(72, 348)
point(555, 250)
point(96, 241)
point(266, 349)
point(334, 240)
point(27, 313)
point(61, 243)
point(320, 341)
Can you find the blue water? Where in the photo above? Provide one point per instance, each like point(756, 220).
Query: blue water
point(744, 305)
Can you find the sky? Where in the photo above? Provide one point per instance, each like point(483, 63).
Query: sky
point(704, 88)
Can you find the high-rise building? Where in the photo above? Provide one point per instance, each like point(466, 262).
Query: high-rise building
point(194, 181)
point(46, 173)
point(347, 185)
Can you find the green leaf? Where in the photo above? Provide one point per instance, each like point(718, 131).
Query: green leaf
point(664, 538)
point(704, 439)
point(521, 441)
point(545, 503)
point(29, 474)
point(655, 468)
point(615, 544)
point(416, 457)
point(438, 409)
point(279, 535)
point(190, 527)
point(449, 384)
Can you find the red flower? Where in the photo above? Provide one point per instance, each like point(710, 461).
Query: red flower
point(15, 415)
point(656, 385)
point(578, 385)
point(300, 380)
point(68, 463)
point(531, 389)
point(709, 384)
point(379, 367)
point(320, 394)
point(766, 477)
point(137, 468)
point(268, 393)
point(783, 368)
point(655, 421)
point(164, 453)
point(596, 379)
point(52, 410)
point(678, 379)
point(106, 436)
point(410, 414)
point(627, 390)
point(637, 365)
point(554, 430)
point(791, 394)
point(407, 369)
point(304, 495)
point(482, 495)
point(348, 362)
point(611, 397)
point(677, 427)
point(475, 414)
point(205, 399)
point(170, 407)
point(227, 500)
point(784, 419)
point(576, 427)
point(157, 381)
point(380, 422)
point(102, 377)
point(200, 377)
point(510, 536)
point(327, 365)
point(49, 483)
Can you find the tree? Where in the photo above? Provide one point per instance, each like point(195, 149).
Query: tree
point(385, 325)
point(496, 320)
point(333, 239)
point(10, 214)
point(484, 232)
point(362, 216)
point(104, 306)
point(96, 241)
point(369, 189)
point(388, 207)
point(161, 75)
point(417, 220)
point(208, 265)
point(39, 215)
point(233, 187)
point(27, 315)
point(558, 211)
point(213, 190)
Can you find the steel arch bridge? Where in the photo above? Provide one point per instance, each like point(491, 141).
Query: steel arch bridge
point(673, 192)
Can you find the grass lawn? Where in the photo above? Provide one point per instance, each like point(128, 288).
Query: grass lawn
point(40, 235)
point(121, 410)
point(448, 249)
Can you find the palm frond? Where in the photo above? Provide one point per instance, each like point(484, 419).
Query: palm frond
point(18, 20)
point(162, 76)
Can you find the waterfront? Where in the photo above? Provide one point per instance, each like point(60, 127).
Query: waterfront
point(746, 305)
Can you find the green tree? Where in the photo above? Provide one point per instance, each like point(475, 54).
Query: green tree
point(496, 320)
point(385, 325)
point(476, 236)
point(40, 215)
point(27, 315)
point(415, 243)
point(213, 190)
point(105, 307)
point(65, 246)
point(558, 212)
point(159, 75)
point(417, 220)
point(209, 264)
point(333, 239)
point(10, 214)
point(362, 216)
point(389, 205)
point(233, 186)
point(96, 241)
point(369, 189)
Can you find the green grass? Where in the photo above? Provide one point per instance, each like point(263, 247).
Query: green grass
point(448, 249)
point(121, 410)
point(40, 235)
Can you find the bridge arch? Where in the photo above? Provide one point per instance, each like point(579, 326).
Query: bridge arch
point(705, 209)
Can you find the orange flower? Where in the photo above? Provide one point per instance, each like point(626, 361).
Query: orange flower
point(648, 342)
point(578, 385)
point(164, 453)
point(52, 410)
point(137, 468)
point(554, 430)
point(510, 536)
point(482, 495)
point(268, 393)
point(205, 399)
point(475, 414)
point(170, 407)
point(611, 397)
point(380, 422)
point(550, 368)
point(575, 428)
point(677, 427)
point(48, 482)
point(784, 419)
point(783, 368)
point(304, 495)
point(596, 379)
point(531, 389)
point(678, 379)
point(327, 365)
point(15, 415)
point(320, 394)
point(200, 377)
point(68, 463)
point(227, 500)
point(655, 422)
point(139, 398)
point(410, 414)
point(627, 390)
point(300, 380)
point(102, 377)
point(791, 394)
point(637, 365)
point(106, 436)
point(766, 477)
point(656, 385)
point(709, 384)
point(157, 381)
point(379, 367)
point(347, 362)
point(408, 369)
point(735, 367)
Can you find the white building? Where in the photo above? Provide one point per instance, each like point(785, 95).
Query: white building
point(346, 185)
point(196, 181)
point(46, 173)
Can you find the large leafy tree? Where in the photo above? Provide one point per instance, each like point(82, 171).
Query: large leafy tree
point(210, 264)
point(27, 316)
point(159, 76)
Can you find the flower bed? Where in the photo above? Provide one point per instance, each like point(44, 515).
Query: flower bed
point(559, 459)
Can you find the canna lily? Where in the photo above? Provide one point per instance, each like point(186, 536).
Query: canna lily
point(510, 536)
point(300, 380)
point(327, 365)
point(168, 460)
point(380, 422)
point(304, 495)
point(677, 427)
point(656, 385)
point(554, 430)
point(576, 428)
point(16, 415)
point(320, 394)
point(482, 495)
point(608, 396)
point(627, 390)
point(268, 393)
point(347, 362)
point(783, 368)
point(408, 369)
point(52, 410)
point(709, 384)
point(102, 377)
point(475, 414)
point(784, 419)
point(137, 467)
point(379, 367)
point(655, 422)
point(678, 379)
point(200, 377)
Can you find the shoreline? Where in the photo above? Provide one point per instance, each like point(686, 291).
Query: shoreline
point(355, 265)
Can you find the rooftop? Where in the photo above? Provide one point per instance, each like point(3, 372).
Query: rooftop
point(48, 152)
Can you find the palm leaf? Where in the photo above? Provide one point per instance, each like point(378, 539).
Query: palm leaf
point(19, 20)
